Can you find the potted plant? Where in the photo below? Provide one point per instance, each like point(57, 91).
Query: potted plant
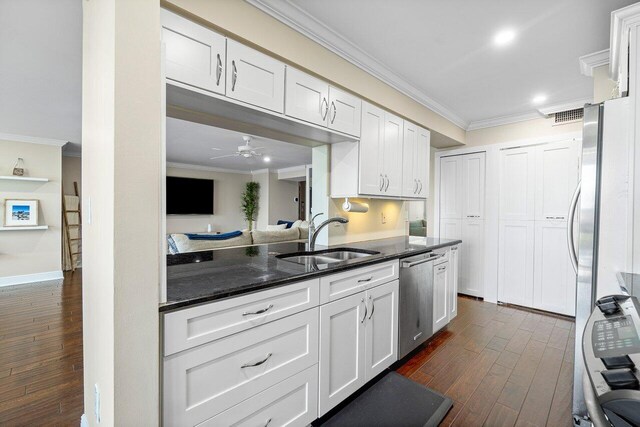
point(250, 199)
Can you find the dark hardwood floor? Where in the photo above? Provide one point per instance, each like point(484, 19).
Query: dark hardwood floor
point(41, 353)
point(502, 366)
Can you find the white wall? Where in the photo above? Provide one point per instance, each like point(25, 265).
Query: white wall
point(518, 131)
point(262, 219)
point(27, 256)
point(227, 192)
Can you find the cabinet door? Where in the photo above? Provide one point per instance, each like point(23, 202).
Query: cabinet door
point(472, 258)
point(194, 55)
point(371, 147)
point(381, 337)
point(473, 167)
point(517, 183)
point(451, 187)
point(554, 279)
point(440, 296)
point(515, 262)
point(254, 77)
point(307, 98)
point(410, 183)
point(451, 229)
point(342, 348)
point(344, 112)
point(556, 179)
point(392, 155)
point(423, 165)
point(454, 265)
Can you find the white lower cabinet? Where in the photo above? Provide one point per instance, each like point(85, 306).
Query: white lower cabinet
point(358, 340)
point(454, 265)
point(440, 295)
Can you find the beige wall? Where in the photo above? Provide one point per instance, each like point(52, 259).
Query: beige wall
point(517, 131)
point(368, 226)
point(71, 172)
point(31, 252)
point(263, 204)
point(603, 87)
point(281, 199)
point(121, 177)
point(227, 192)
point(242, 21)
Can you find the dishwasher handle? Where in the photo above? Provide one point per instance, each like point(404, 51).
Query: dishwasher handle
point(407, 264)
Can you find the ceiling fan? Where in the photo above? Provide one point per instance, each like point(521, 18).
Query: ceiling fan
point(247, 151)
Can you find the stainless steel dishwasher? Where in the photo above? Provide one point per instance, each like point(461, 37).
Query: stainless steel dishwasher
point(416, 300)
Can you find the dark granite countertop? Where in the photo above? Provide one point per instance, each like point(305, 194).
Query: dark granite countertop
point(198, 277)
point(629, 283)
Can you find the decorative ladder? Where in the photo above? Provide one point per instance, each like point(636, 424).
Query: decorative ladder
point(73, 256)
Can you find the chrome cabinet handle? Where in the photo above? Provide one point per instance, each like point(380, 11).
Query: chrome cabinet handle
point(415, 190)
point(234, 75)
point(264, 310)
point(444, 267)
point(324, 106)
point(381, 182)
point(335, 110)
point(250, 365)
point(406, 264)
point(417, 336)
point(387, 187)
point(572, 213)
point(218, 70)
point(555, 217)
point(373, 307)
point(267, 423)
point(455, 248)
point(420, 191)
point(368, 279)
point(365, 311)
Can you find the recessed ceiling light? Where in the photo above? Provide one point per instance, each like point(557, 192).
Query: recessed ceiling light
point(266, 159)
point(504, 37)
point(539, 99)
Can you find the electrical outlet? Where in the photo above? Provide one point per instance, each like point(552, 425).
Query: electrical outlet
point(96, 408)
point(383, 218)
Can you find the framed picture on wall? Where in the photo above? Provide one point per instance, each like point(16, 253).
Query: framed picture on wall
point(20, 213)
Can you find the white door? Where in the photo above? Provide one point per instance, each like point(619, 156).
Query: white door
point(345, 111)
point(254, 77)
point(556, 179)
point(423, 165)
point(451, 229)
point(342, 349)
point(381, 336)
point(307, 98)
point(371, 148)
point(473, 178)
point(440, 296)
point(454, 265)
point(554, 280)
point(472, 258)
point(451, 187)
point(515, 262)
point(195, 55)
point(517, 184)
point(392, 155)
point(410, 184)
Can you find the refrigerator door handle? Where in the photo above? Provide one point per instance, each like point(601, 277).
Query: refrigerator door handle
point(572, 216)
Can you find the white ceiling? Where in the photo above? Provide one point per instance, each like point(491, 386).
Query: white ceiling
point(442, 52)
point(191, 143)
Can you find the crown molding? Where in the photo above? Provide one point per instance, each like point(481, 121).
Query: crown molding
point(620, 19)
point(32, 139)
point(205, 168)
point(571, 105)
point(259, 171)
point(593, 60)
point(503, 120)
point(296, 18)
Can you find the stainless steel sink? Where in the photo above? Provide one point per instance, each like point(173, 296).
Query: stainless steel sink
point(325, 257)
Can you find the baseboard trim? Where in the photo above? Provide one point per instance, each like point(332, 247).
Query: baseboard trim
point(31, 278)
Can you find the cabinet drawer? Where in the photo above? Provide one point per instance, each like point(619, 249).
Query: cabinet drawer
point(202, 382)
point(293, 402)
point(350, 282)
point(191, 327)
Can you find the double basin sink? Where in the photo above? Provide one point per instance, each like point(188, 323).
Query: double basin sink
point(326, 257)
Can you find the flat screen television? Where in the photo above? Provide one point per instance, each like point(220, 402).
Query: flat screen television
point(189, 196)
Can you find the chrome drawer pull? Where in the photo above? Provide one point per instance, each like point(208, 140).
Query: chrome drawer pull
point(250, 365)
point(417, 336)
point(368, 279)
point(264, 310)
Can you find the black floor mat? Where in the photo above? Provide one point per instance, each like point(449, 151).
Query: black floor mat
point(393, 401)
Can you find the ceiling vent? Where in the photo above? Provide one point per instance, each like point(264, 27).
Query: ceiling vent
point(568, 116)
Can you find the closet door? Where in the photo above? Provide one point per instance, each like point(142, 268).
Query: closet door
point(451, 229)
point(472, 258)
point(556, 179)
point(451, 187)
point(371, 150)
point(517, 184)
point(515, 262)
point(473, 181)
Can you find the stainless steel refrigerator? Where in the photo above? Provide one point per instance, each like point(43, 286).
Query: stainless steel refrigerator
point(600, 222)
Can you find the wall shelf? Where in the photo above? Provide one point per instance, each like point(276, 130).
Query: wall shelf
point(33, 227)
point(23, 178)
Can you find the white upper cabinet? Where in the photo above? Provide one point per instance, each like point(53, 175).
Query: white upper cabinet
point(345, 111)
point(410, 184)
point(194, 54)
point(371, 147)
point(451, 187)
point(473, 177)
point(307, 97)
point(392, 155)
point(556, 179)
point(517, 184)
point(423, 163)
point(254, 77)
